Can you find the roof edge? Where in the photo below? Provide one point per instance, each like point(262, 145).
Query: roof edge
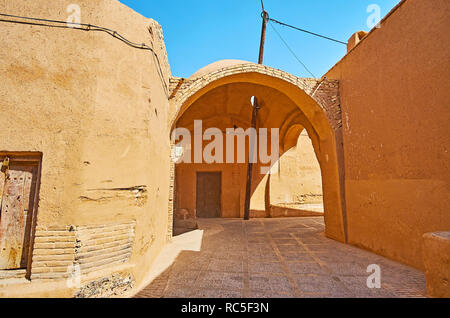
point(401, 3)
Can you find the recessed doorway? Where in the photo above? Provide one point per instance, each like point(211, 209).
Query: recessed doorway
point(209, 194)
point(19, 187)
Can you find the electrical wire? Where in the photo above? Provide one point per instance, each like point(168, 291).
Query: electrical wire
point(84, 27)
point(306, 31)
point(289, 48)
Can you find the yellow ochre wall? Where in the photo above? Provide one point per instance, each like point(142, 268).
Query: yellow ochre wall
point(97, 110)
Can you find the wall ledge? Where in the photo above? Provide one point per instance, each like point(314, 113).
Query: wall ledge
point(436, 258)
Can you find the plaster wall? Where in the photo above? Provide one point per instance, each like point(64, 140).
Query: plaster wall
point(97, 110)
point(394, 96)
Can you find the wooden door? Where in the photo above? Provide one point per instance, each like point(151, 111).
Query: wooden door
point(209, 194)
point(17, 192)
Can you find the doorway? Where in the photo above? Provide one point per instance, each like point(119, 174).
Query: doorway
point(209, 194)
point(18, 206)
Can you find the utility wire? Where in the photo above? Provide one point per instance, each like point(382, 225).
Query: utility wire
point(262, 5)
point(306, 31)
point(289, 48)
point(84, 27)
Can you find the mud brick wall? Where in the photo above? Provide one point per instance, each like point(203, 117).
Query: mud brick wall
point(53, 252)
point(101, 246)
point(97, 111)
point(57, 250)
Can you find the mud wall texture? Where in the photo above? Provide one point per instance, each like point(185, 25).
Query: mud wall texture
point(295, 180)
point(394, 95)
point(97, 110)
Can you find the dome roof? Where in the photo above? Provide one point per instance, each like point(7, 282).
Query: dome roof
point(216, 66)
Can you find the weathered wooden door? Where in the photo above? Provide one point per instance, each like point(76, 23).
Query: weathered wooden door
point(17, 190)
point(209, 193)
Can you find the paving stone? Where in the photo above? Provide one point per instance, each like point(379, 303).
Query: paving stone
point(216, 293)
point(320, 284)
point(209, 280)
point(258, 254)
point(270, 283)
point(292, 243)
point(184, 277)
point(306, 268)
point(269, 294)
point(312, 240)
point(329, 257)
point(233, 281)
point(351, 269)
point(276, 236)
point(302, 256)
point(177, 292)
point(225, 265)
point(320, 247)
point(265, 267)
point(261, 258)
point(358, 285)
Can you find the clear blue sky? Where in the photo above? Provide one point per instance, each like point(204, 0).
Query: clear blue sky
point(199, 32)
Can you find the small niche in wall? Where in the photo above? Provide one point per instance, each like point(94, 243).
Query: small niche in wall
point(19, 195)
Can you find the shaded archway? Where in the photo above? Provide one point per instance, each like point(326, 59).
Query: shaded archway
point(294, 187)
point(311, 103)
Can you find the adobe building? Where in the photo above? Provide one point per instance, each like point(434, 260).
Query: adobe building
point(232, 110)
point(89, 188)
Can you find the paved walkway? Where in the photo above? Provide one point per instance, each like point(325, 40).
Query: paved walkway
point(287, 257)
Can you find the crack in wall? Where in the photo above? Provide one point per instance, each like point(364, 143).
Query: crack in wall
point(137, 193)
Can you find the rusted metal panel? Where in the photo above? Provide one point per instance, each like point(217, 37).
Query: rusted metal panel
point(12, 218)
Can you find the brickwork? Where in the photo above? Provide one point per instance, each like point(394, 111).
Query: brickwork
point(325, 92)
point(58, 249)
point(171, 202)
point(12, 274)
point(103, 246)
point(53, 252)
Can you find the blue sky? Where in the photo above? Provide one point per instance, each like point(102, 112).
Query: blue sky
point(199, 32)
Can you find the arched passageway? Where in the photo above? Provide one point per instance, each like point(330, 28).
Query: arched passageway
point(220, 97)
point(294, 186)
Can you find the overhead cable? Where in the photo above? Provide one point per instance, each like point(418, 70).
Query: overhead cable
point(83, 27)
point(306, 31)
point(293, 53)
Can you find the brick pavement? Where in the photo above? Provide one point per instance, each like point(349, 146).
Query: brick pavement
point(288, 257)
